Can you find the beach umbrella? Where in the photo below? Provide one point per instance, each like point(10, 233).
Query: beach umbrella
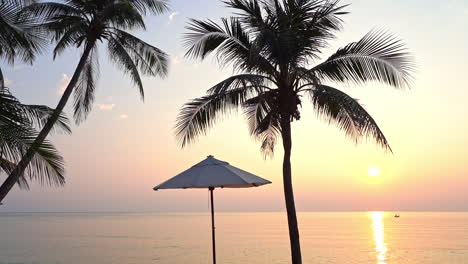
point(212, 173)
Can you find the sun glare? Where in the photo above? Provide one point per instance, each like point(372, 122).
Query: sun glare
point(379, 231)
point(373, 171)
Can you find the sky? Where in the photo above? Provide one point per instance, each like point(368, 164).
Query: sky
point(126, 146)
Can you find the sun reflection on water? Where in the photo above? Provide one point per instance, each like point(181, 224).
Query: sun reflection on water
point(380, 245)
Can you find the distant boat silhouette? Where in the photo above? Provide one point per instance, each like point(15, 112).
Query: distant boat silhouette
point(396, 215)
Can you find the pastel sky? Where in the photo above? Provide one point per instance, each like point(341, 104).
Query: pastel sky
point(126, 146)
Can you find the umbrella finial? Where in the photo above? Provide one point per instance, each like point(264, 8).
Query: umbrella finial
point(210, 156)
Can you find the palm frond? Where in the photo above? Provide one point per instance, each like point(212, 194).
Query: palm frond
point(123, 15)
point(85, 89)
point(232, 43)
point(249, 11)
point(269, 137)
point(7, 167)
point(293, 32)
point(119, 55)
point(64, 22)
point(20, 35)
point(257, 108)
point(325, 16)
point(67, 34)
point(149, 59)
point(38, 115)
point(45, 11)
point(314, 24)
point(347, 114)
point(378, 56)
point(10, 111)
point(154, 6)
point(133, 54)
point(198, 115)
point(259, 82)
point(47, 165)
point(204, 37)
point(13, 112)
point(263, 120)
point(17, 133)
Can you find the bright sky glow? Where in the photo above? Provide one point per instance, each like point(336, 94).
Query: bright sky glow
point(373, 172)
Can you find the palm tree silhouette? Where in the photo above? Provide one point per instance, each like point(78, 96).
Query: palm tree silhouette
point(18, 130)
point(84, 24)
point(271, 44)
point(21, 38)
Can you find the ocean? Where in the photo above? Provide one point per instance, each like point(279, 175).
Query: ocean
point(173, 238)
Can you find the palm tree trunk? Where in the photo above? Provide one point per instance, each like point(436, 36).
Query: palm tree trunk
point(288, 192)
point(2, 82)
point(23, 164)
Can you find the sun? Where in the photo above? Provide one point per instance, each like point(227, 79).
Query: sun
point(373, 171)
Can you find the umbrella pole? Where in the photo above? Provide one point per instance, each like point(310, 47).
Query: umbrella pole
point(213, 225)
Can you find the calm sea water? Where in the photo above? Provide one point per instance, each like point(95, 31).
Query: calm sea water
point(364, 238)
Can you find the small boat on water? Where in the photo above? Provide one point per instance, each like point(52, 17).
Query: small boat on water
point(396, 215)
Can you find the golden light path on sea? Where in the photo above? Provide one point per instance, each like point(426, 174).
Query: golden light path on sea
point(379, 239)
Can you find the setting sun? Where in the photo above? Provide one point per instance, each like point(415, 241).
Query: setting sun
point(373, 171)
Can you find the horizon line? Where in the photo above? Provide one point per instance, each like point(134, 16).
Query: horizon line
point(207, 212)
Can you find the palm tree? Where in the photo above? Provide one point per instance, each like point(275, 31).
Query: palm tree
point(271, 44)
point(84, 24)
point(18, 129)
point(21, 38)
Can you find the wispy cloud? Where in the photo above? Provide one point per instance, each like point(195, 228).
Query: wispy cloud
point(172, 16)
point(179, 58)
point(7, 81)
point(20, 67)
point(176, 59)
point(63, 83)
point(123, 116)
point(106, 107)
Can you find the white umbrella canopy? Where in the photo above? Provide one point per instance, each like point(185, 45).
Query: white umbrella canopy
point(212, 172)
